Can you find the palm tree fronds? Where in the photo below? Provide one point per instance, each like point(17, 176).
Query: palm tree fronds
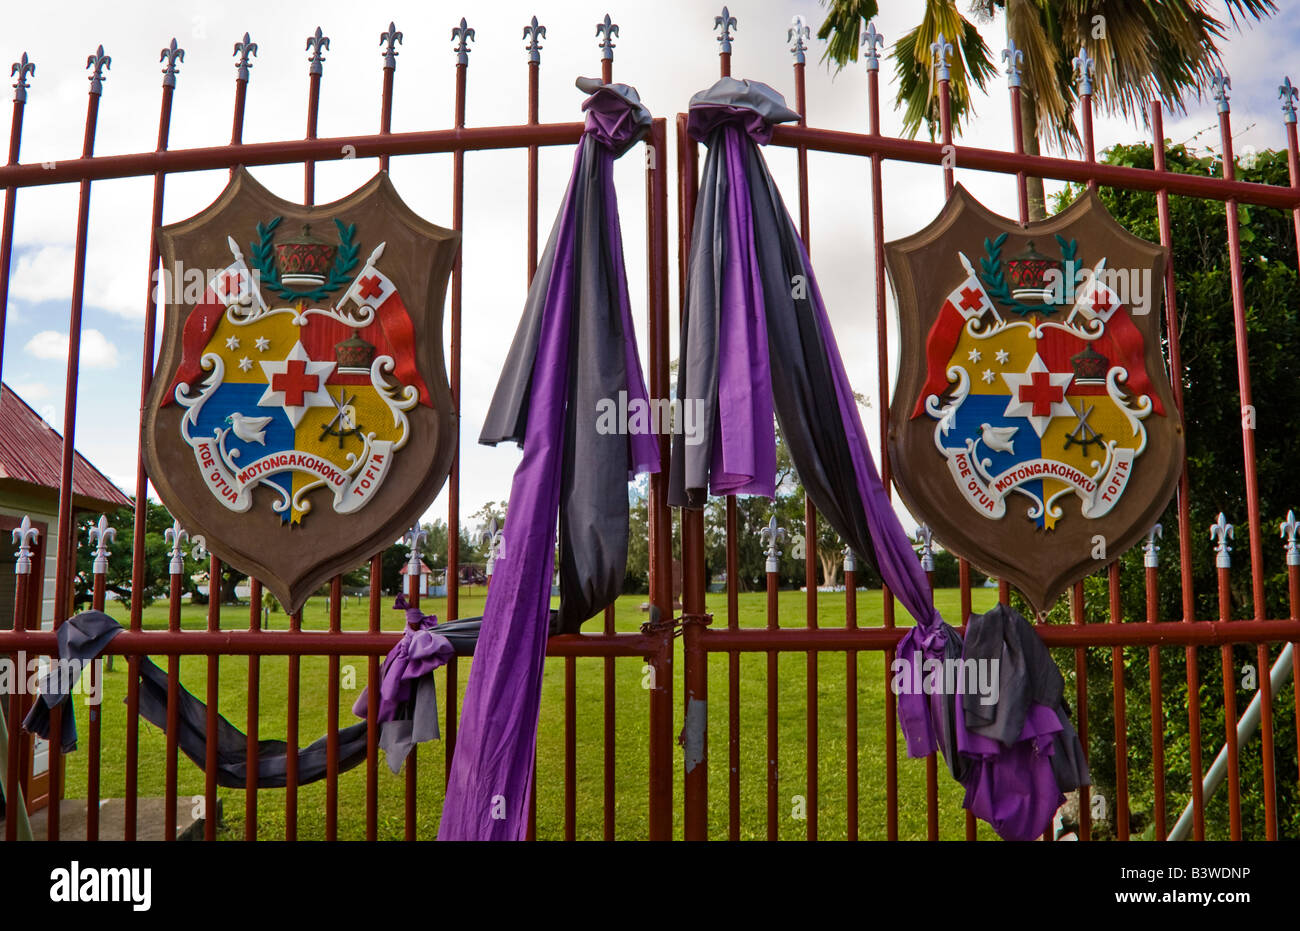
point(843, 26)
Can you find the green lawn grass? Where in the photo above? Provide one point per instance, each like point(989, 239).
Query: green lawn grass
point(631, 723)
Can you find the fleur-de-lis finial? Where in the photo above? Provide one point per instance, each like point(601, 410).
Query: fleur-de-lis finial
point(850, 560)
point(726, 22)
point(1084, 68)
point(176, 535)
point(100, 536)
point(24, 537)
point(495, 541)
point(606, 31)
point(171, 54)
point(389, 41)
point(872, 41)
point(414, 538)
point(244, 50)
point(797, 35)
point(925, 539)
point(316, 44)
point(1151, 549)
point(1014, 58)
point(1288, 532)
point(940, 51)
point(1288, 92)
point(1220, 83)
point(533, 32)
point(1222, 531)
point(22, 67)
point(98, 63)
point(198, 547)
point(771, 537)
point(465, 35)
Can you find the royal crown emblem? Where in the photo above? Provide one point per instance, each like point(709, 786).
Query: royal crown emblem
point(303, 387)
point(1033, 425)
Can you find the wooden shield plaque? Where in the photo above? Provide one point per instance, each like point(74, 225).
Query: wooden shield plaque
point(1033, 426)
point(300, 416)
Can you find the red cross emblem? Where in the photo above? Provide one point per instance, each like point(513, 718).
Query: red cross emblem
point(1042, 394)
point(971, 299)
point(369, 287)
point(295, 382)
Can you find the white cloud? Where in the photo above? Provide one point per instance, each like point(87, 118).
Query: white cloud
point(31, 391)
point(96, 349)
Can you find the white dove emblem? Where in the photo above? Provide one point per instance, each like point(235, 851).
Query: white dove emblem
point(999, 439)
point(249, 429)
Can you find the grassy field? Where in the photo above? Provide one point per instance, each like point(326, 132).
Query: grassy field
point(631, 716)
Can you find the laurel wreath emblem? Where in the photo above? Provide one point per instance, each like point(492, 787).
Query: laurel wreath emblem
point(345, 260)
point(995, 281)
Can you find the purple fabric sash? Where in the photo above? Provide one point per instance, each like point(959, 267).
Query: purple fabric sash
point(580, 291)
point(420, 651)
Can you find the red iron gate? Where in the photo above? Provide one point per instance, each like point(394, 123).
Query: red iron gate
point(654, 644)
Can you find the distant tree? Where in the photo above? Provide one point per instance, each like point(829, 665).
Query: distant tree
point(155, 562)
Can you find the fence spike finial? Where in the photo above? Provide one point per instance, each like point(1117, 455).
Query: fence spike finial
point(99, 63)
point(925, 539)
point(244, 50)
point(1220, 83)
point(850, 559)
point(316, 44)
point(463, 35)
point(1083, 69)
point(22, 67)
point(101, 534)
point(24, 537)
point(1014, 58)
point(1288, 92)
point(940, 51)
point(797, 35)
point(176, 535)
point(172, 54)
point(872, 42)
point(606, 31)
point(771, 537)
point(1221, 531)
point(1288, 533)
point(726, 22)
point(1151, 549)
point(414, 538)
point(389, 40)
point(533, 32)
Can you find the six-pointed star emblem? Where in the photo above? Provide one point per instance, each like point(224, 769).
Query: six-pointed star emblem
point(296, 383)
point(1038, 395)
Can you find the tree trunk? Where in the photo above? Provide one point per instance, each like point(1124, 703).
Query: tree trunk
point(830, 563)
point(1029, 138)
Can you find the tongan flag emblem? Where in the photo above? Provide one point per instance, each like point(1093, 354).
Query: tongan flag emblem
point(1034, 425)
point(301, 387)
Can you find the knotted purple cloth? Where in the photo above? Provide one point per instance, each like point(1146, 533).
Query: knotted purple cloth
point(420, 651)
point(756, 339)
point(575, 347)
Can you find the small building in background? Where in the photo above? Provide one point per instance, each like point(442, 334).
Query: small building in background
point(31, 457)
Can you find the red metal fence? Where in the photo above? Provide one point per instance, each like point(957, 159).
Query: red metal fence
point(654, 644)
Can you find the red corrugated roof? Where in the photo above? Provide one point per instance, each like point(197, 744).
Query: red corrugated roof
point(31, 451)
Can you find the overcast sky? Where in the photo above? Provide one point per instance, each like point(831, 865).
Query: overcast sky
point(666, 49)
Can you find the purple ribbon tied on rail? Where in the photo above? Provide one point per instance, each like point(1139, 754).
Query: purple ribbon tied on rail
point(420, 651)
point(574, 350)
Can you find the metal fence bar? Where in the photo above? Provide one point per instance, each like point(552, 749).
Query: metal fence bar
point(65, 541)
point(254, 707)
point(213, 702)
